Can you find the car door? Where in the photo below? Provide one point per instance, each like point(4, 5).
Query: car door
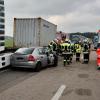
point(42, 56)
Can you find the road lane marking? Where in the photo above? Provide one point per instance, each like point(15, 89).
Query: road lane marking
point(59, 92)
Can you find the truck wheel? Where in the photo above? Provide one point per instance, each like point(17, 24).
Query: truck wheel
point(38, 67)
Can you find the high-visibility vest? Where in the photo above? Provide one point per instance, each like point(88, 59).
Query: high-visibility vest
point(78, 48)
point(54, 45)
point(50, 47)
point(65, 47)
point(62, 47)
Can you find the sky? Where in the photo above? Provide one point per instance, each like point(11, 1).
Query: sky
point(68, 15)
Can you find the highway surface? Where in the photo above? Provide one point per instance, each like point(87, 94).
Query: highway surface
point(74, 82)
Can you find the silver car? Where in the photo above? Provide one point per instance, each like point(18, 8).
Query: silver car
point(34, 57)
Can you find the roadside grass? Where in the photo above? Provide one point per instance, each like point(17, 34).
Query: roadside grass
point(9, 43)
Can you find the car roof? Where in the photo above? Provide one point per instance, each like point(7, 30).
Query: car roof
point(32, 47)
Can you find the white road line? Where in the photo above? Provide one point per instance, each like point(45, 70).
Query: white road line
point(59, 93)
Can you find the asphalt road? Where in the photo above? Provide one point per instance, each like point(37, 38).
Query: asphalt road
point(74, 82)
point(9, 77)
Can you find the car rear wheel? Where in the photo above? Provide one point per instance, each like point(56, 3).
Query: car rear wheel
point(38, 67)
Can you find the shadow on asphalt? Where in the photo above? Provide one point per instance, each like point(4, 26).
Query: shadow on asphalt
point(22, 69)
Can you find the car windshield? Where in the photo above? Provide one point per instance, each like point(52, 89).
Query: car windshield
point(25, 50)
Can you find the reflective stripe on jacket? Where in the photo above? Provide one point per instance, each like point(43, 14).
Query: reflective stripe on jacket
point(78, 48)
point(65, 47)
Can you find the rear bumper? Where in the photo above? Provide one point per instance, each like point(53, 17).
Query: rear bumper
point(24, 64)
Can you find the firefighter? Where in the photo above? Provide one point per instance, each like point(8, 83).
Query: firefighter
point(52, 49)
point(86, 51)
point(78, 51)
point(66, 52)
point(53, 46)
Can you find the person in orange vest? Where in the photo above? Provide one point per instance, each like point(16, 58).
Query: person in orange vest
point(98, 57)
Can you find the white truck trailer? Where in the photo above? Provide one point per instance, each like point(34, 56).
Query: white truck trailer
point(4, 57)
point(30, 32)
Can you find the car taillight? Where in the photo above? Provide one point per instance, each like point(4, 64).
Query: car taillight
point(31, 58)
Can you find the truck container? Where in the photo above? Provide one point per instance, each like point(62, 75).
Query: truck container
point(30, 32)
